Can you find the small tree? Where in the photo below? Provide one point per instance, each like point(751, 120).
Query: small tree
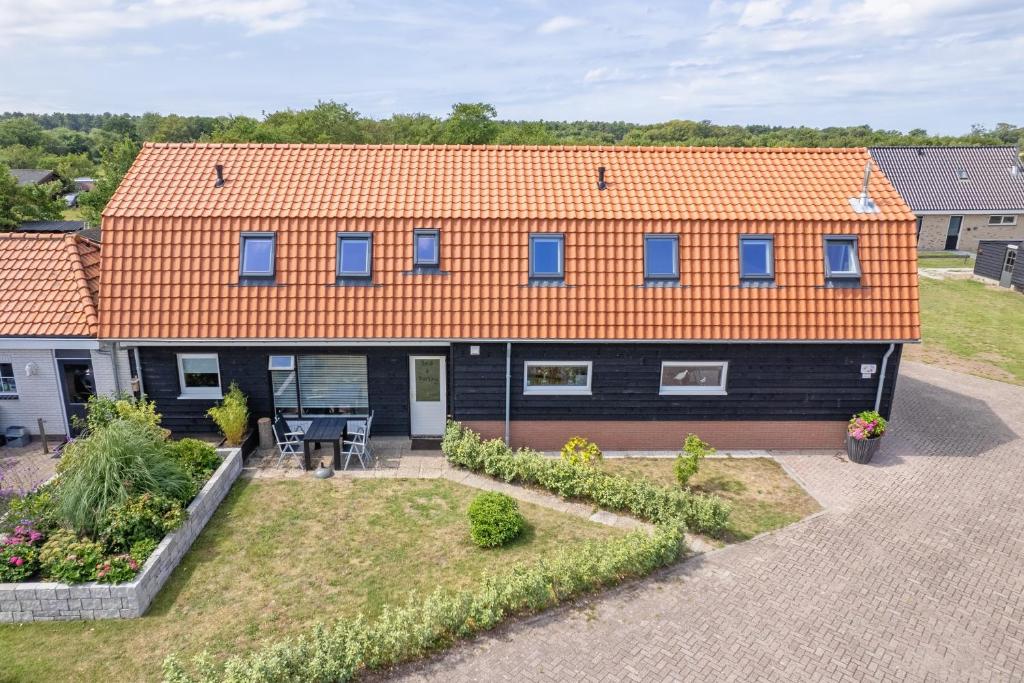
point(232, 415)
point(688, 462)
point(20, 203)
point(580, 451)
point(117, 159)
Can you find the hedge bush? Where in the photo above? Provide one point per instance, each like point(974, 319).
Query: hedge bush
point(649, 501)
point(494, 520)
point(339, 652)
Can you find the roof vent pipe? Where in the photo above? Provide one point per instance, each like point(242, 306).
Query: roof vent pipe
point(864, 203)
point(601, 184)
point(220, 175)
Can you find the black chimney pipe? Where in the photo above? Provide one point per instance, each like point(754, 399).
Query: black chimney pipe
point(220, 175)
point(601, 184)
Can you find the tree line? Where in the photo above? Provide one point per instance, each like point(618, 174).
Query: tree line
point(103, 145)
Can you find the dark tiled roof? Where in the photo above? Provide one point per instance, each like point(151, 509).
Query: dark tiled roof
point(32, 176)
point(51, 226)
point(929, 177)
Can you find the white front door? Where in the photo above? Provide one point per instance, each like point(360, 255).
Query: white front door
point(427, 395)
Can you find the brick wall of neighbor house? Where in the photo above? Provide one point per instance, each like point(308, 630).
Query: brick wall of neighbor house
point(779, 395)
point(38, 395)
point(973, 229)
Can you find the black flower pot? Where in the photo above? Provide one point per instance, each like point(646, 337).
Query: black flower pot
point(862, 450)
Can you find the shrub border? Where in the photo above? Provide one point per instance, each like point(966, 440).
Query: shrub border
point(33, 601)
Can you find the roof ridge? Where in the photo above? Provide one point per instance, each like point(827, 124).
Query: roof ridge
point(505, 147)
point(74, 244)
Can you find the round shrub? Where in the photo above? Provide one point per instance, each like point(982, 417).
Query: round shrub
point(19, 554)
point(580, 451)
point(494, 520)
point(145, 517)
point(69, 559)
point(198, 458)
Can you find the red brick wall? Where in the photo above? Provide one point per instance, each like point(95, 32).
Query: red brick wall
point(664, 435)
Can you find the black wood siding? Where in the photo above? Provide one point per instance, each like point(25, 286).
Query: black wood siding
point(990, 259)
point(387, 373)
point(765, 382)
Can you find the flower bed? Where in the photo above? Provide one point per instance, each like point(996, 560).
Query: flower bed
point(47, 601)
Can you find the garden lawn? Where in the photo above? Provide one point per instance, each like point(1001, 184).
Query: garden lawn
point(944, 260)
point(280, 556)
point(761, 494)
point(973, 328)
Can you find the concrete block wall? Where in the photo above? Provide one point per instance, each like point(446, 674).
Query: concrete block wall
point(38, 601)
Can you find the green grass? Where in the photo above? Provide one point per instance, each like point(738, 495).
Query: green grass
point(762, 496)
point(280, 556)
point(973, 328)
point(944, 260)
point(73, 214)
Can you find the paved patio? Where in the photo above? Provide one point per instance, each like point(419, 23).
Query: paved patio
point(913, 572)
point(22, 469)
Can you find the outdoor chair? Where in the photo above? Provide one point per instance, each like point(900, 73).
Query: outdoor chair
point(289, 441)
point(356, 445)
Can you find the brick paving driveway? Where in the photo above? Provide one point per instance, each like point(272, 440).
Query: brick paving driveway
point(915, 571)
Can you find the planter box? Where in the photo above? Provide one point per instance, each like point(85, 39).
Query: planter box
point(861, 451)
point(37, 601)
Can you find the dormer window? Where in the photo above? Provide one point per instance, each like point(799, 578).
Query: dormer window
point(842, 265)
point(426, 248)
point(547, 257)
point(355, 254)
point(962, 174)
point(256, 258)
point(661, 257)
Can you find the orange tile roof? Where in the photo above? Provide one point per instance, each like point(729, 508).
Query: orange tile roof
point(48, 286)
point(171, 242)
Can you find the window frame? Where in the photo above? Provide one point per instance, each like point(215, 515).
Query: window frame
point(187, 392)
point(666, 237)
point(270, 362)
point(263, 275)
point(770, 239)
point(1002, 219)
point(354, 236)
point(842, 275)
point(558, 390)
point(560, 239)
point(426, 232)
point(720, 389)
point(14, 381)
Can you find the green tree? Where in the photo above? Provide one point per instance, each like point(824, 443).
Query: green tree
point(471, 124)
point(21, 130)
point(20, 203)
point(116, 162)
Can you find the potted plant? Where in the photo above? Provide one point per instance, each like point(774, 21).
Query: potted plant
point(864, 436)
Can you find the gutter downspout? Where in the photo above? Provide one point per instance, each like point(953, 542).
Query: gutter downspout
point(881, 377)
point(508, 388)
point(138, 371)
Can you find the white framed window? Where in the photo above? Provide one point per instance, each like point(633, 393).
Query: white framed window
point(8, 387)
point(557, 377)
point(693, 377)
point(199, 375)
point(1002, 220)
point(281, 363)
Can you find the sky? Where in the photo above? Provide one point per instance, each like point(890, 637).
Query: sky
point(941, 65)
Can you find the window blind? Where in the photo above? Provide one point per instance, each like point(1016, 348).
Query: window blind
point(333, 381)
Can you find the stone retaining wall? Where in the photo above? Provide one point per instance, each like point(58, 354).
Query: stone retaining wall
point(36, 601)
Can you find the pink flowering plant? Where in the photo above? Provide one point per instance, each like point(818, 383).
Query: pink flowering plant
point(867, 425)
point(19, 553)
point(117, 569)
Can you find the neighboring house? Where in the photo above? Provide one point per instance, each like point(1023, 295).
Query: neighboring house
point(84, 184)
point(50, 360)
point(33, 176)
point(51, 226)
point(629, 295)
point(961, 195)
point(997, 260)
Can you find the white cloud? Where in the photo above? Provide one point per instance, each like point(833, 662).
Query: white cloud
point(761, 12)
point(64, 20)
point(600, 74)
point(559, 24)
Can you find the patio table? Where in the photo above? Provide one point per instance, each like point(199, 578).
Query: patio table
point(333, 429)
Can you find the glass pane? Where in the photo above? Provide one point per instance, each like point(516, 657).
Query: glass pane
point(78, 382)
point(547, 256)
point(282, 362)
point(428, 379)
point(661, 256)
point(691, 376)
point(7, 383)
point(286, 396)
point(754, 257)
point(332, 384)
point(199, 365)
point(426, 249)
point(355, 256)
point(556, 375)
point(840, 256)
point(257, 255)
point(200, 372)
